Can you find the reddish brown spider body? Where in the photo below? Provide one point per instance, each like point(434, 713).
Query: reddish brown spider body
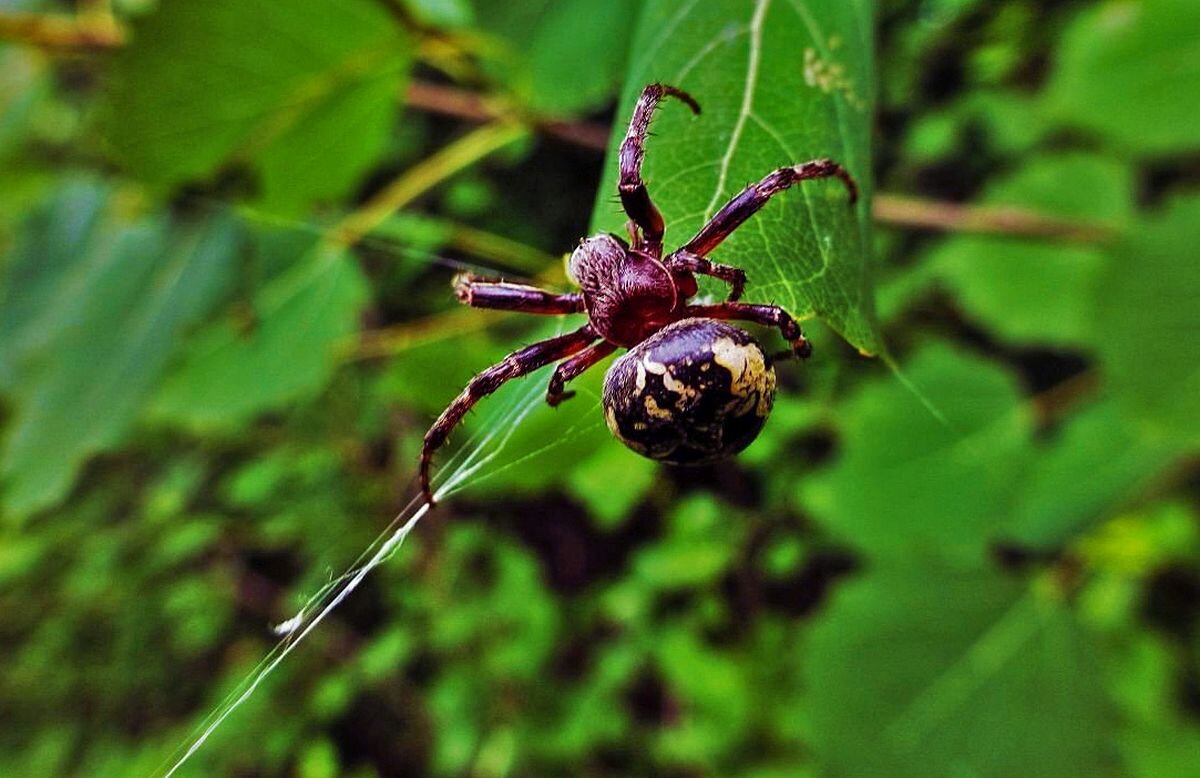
point(711, 395)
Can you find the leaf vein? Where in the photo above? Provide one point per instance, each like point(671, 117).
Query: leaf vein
point(756, 28)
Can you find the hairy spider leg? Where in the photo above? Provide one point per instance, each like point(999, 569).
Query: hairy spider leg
point(487, 293)
point(766, 315)
point(755, 196)
point(682, 265)
point(634, 196)
point(515, 365)
point(574, 367)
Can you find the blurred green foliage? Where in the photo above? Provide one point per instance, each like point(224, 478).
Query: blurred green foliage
point(979, 555)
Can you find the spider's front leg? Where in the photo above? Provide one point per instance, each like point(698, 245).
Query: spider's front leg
point(515, 365)
point(766, 315)
point(634, 196)
point(754, 197)
point(574, 367)
point(501, 295)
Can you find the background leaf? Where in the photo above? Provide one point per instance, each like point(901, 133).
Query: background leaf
point(907, 484)
point(1147, 316)
point(304, 92)
point(234, 370)
point(1096, 460)
point(1129, 70)
point(94, 305)
point(780, 82)
point(1033, 291)
point(932, 671)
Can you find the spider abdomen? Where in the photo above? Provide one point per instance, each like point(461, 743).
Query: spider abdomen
point(697, 391)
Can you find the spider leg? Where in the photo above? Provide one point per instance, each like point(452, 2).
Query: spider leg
point(681, 261)
point(755, 196)
point(767, 315)
point(515, 365)
point(485, 293)
point(574, 367)
point(634, 197)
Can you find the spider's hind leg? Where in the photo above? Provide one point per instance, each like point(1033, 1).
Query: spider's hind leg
point(767, 315)
point(634, 196)
point(515, 365)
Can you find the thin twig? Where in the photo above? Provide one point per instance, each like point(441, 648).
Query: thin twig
point(919, 213)
point(462, 104)
point(393, 340)
point(1054, 402)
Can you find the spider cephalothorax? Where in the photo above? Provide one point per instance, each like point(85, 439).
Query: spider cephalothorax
point(691, 388)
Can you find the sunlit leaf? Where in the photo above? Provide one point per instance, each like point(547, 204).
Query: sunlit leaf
point(780, 82)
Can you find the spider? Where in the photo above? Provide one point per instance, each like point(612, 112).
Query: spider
point(691, 388)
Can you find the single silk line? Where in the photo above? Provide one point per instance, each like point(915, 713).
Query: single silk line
point(290, 642)
point(466, 462)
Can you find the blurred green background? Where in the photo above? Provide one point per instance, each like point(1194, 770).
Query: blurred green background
point(227, 229)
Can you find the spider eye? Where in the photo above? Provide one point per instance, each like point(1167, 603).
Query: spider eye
point(695, 392)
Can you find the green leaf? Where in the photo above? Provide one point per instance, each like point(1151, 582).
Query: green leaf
point(232, 372)
point(24, 86)
point(93, 306)
point(927, 671)
point(780, 82)
point(714, 695)
point(1146, 320)
point(1032, 291)
point(440, 13)
point(1129, 70)
point(1094, 464)
point(908, 483)
point(305, 91)
point(563, 57)
point(594, 481)
point(577, 54)
point(700, 545)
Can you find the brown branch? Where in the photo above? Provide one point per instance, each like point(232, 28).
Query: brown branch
point(461, 104)
point(918, 213)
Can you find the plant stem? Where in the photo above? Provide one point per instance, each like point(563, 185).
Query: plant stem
point(423, 176)
point(88, 32)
